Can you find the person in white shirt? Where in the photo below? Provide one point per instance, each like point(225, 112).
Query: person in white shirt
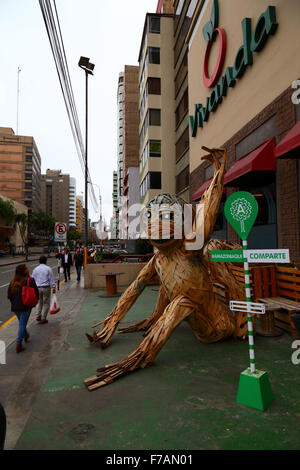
point(44, 280)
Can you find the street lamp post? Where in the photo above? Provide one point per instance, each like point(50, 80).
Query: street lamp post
point(84, 63)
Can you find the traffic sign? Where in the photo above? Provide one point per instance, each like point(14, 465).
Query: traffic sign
point(60, 232)
point(227, 256)
point(268, 256)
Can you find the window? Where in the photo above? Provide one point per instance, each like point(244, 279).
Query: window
point(28, 158)
point(153, 25)
point(153, 55)
point(155, 180)
point(182, 108)
point(183, 180)
point(28, 167)
point(28, 176)
point(155, 148)
point(151, 181)
point(28, 185)
point(28, 149)
point(182, 144)
point(153, 86)
point(154, 117)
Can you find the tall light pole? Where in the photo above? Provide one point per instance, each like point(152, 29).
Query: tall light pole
point(84, 63)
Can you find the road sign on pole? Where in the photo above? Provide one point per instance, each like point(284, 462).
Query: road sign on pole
point(252, 307)
point(254, 390)
point(268, 256)
point(60, 232)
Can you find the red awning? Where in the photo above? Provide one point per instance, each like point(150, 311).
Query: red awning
point(260, 160)
point(289, 147)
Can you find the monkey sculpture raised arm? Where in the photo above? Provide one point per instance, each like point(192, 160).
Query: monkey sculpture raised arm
point(186, 290)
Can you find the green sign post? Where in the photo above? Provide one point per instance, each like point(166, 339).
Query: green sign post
point(254, 388)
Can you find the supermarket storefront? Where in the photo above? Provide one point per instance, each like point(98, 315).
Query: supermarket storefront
point(242, 62)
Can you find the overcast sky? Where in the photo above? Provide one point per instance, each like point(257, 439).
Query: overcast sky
point(109, 33)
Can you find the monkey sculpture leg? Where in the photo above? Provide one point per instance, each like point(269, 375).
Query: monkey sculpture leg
point(124, 304)
point(212, 321)
point(161, 304)
point(144, 355)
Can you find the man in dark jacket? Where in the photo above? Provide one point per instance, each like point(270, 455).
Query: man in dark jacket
point(66, 262)
point(78, 259)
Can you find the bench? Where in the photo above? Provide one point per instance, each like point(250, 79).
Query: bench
point(279, 288)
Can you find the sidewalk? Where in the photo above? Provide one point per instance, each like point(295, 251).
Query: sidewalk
point(185, 401)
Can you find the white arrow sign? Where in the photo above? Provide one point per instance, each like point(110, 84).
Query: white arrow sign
point(248, 307)
point(267, 256)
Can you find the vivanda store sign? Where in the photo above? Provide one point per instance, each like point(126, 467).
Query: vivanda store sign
point(253, 42)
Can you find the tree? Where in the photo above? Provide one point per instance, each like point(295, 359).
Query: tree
point(42, 223)
point(7, 211)
point(22, 222)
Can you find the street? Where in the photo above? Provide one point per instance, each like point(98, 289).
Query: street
point(6, 275)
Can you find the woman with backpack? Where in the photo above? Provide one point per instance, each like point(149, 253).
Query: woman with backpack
point(22, 285)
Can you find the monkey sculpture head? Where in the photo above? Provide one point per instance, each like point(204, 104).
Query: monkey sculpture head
point(163, 217)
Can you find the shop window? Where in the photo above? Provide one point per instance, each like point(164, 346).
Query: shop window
point(264, 232)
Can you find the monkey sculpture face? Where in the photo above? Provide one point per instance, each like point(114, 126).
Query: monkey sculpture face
point(163, 217)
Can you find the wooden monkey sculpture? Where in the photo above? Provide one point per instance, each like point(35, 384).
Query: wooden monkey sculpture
point(186, 291)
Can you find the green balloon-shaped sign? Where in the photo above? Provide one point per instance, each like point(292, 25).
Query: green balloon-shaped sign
point(241, 211)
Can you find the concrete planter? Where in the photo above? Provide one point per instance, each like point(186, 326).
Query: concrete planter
point(93, 280)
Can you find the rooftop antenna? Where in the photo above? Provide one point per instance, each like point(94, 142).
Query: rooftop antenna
point(18, 94)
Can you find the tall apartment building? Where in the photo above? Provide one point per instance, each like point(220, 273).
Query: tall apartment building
point(156, 107)
point(55, 195)
point(79, 214)
point(184, 11)
point(72, 204)
point(114, 224)
point(120, 126)
point(128, 145)
point(20, 169)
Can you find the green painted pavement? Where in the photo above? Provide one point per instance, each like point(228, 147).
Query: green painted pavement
point(186, 400)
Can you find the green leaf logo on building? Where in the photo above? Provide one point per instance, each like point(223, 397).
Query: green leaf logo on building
point(241, 211)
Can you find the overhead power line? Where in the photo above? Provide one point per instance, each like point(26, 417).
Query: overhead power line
point(53, 28)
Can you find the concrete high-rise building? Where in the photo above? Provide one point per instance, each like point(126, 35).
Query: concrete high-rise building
point(20, 169)
point(128, 144)
point(114, 224)
point(157, 106)
point(55, 195)
point(72, 204)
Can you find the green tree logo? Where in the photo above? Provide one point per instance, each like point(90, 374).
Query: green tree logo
point(241, 210)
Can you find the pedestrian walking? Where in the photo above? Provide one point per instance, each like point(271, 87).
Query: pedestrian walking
point(66, 262)
point(22, 312)
point(44, 279)
point(78, 259)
